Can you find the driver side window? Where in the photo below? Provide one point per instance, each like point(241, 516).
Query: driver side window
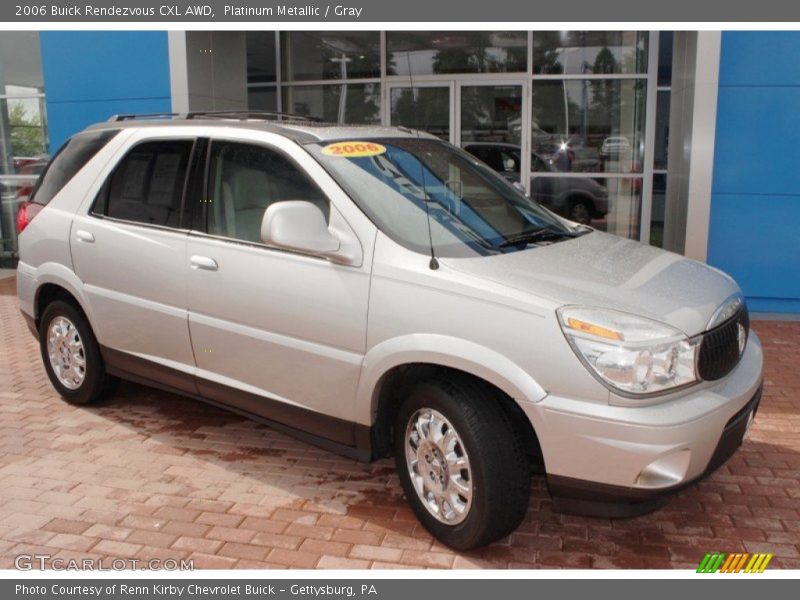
point(244, 180)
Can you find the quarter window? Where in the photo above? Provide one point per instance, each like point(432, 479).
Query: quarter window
point(70, 159)
point(245, 180)
point(147, 185)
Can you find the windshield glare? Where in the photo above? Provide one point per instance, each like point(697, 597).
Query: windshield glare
point(473, 211)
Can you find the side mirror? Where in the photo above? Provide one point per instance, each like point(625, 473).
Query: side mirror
point(298, 225)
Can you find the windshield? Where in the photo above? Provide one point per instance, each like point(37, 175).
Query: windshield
point(399, 182)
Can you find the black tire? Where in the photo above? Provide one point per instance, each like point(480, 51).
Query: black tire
point(580, 211)
point(499, 469)
point(96, 382)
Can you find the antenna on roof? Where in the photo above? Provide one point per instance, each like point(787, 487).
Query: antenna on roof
point(434, 264)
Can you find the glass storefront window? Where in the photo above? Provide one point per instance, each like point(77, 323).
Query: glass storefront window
point(585, 52)
point(24, 143)
point(611, 204)
point(661, 150)
point(423, 108)
point(261, 65)
point(491, 113)
point(446, 52)
point(26, 124)
point(657, 214)
point(22, 115)
point(491, 126)
point(358, 103)
point(665, 39)
point(318, 55)
point(588, 125)
point(624, 207)
point(662, 130)
point(262, 98)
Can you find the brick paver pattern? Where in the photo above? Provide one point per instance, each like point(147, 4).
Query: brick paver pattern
point(147, 474)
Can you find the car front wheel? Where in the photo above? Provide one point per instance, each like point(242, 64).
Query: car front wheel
point(463, 470)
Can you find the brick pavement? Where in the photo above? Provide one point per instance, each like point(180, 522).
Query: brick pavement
point(146, 474)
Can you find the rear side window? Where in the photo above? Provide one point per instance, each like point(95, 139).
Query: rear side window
point(147, 185)
point(71, 157)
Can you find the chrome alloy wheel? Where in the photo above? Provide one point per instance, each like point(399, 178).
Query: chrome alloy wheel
point(66, 353)
point(438, 465)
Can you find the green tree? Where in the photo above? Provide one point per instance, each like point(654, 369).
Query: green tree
point(362, 103)
point(605, 101)
point(547, 53)
point(27, 134)
point(422, 108)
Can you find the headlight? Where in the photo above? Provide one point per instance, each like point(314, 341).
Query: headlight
point(631, 354)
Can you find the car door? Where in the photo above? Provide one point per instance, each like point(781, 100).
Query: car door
point(129, 249)
point(275, 333)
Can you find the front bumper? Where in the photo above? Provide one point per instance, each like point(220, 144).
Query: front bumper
point(620, 461)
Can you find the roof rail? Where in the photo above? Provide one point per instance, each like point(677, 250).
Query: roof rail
point(244, 115)
point(131, 116)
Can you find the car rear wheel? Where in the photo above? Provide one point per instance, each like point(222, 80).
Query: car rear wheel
point(463, 470)
point(72, 356)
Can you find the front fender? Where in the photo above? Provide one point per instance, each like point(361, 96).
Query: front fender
point(444, 351)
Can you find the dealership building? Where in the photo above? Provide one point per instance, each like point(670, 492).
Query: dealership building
point(683, 140)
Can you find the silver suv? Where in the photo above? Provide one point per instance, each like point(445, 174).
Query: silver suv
point(379, 292)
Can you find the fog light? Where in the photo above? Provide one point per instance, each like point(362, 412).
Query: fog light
point(666, 471)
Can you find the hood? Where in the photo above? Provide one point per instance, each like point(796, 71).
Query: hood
point(606, 271)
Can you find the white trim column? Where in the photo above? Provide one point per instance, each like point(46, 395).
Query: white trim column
point(693, 121)
point(208, 70)
point(178, 71)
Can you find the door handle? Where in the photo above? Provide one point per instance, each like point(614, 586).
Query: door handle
point(203, 262)
point(84, 236)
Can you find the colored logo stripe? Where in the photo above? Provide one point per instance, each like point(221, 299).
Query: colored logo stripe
point(734, 563)
point(758, 563)
point(711, 562)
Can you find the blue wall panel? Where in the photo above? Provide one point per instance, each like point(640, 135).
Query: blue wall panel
point(760, 58)
point(755, 205)
point(758, 129)
point(91, 75)
point(752, 239)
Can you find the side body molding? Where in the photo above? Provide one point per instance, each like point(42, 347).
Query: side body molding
point(445, 351)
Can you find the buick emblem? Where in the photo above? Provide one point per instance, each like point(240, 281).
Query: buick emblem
point(741, 337)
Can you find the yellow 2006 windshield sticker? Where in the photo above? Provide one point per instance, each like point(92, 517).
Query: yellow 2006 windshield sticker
point(353, 149)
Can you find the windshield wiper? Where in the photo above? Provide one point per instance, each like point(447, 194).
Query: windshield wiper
point(539, 235)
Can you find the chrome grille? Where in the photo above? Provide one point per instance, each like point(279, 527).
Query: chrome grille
point(720, 350)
